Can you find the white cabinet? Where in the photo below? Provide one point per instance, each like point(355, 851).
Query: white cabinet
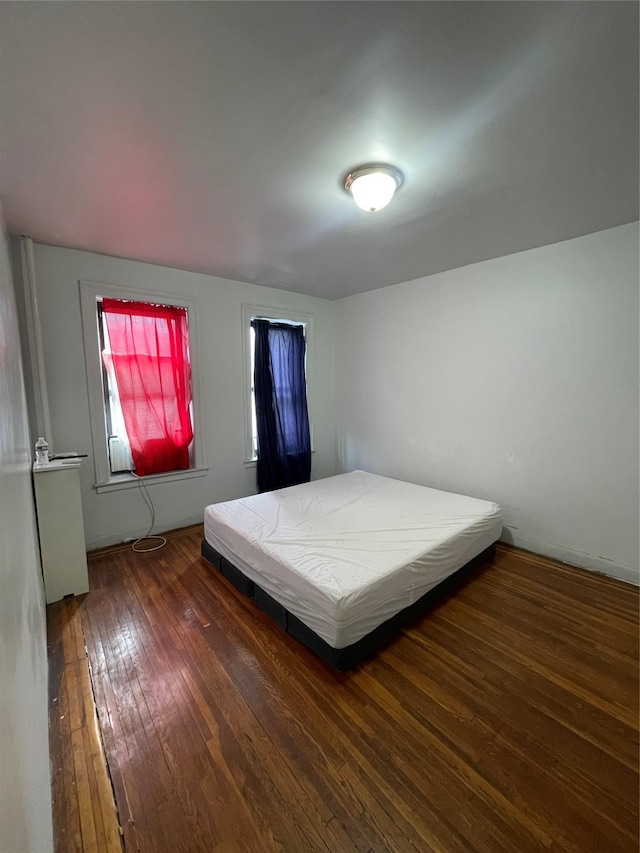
point(61, 529)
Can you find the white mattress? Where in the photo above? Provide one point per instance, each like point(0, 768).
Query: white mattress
point(346, 553)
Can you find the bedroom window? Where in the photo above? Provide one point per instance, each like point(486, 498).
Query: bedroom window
point(142, 386)
point(147, 386)
point(280, 399)
point(292, 318)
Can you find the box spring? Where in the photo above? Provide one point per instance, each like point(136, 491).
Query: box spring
point(350, 656)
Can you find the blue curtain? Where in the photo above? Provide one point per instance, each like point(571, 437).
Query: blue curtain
point(284, 444)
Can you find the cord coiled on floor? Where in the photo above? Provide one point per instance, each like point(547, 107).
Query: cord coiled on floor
point(149, 503)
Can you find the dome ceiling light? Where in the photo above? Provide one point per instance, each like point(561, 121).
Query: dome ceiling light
point(373, 186)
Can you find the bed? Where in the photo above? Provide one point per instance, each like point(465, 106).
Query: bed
point(342, 564)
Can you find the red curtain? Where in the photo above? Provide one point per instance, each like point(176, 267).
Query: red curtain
point(150, 353)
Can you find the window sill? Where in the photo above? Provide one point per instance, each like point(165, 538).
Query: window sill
point(127, 481)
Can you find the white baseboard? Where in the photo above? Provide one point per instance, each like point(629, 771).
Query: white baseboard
point(117, 537)
point(579, 559)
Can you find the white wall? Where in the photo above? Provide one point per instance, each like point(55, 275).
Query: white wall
point(111, 517)
point(515, 379)
point(25, 786)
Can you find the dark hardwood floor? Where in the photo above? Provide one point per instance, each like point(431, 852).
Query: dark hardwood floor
point(84, 810)
point(504, 720)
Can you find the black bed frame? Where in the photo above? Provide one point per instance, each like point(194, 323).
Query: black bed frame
point(350, 656)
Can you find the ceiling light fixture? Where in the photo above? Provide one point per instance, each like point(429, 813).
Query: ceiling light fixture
point(373, 186)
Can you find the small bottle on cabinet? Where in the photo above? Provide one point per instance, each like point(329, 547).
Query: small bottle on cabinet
point(42, 453)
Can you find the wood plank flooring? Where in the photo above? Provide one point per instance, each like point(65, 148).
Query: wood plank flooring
point(84, 810)
point(504, 720)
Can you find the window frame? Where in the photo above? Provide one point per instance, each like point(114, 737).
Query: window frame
point(295, 318)
point(90, 294)
point(106, 394)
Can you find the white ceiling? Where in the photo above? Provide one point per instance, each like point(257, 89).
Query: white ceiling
point(213, 136)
